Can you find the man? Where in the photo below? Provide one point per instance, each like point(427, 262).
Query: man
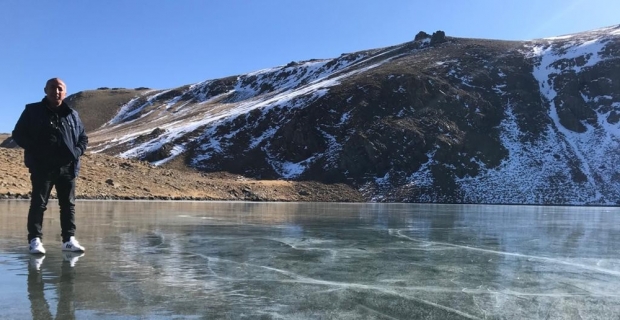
point(53, 139)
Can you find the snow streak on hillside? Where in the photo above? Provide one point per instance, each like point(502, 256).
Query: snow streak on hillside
point(200, 108)
point(294, 88)
point(308, 79)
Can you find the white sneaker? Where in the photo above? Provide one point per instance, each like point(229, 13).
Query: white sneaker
point(36, 246)
point(72, 245)
point(72, 257)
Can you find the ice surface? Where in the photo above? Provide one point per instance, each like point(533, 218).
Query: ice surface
point(316, 261)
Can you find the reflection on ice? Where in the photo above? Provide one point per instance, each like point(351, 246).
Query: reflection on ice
point(307, 261)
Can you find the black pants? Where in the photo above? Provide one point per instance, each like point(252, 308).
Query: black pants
point(40, 308)
point(63, 179)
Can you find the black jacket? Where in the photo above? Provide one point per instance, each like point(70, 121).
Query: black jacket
point(51, 138)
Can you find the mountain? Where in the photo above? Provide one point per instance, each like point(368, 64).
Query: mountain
point(437, 119)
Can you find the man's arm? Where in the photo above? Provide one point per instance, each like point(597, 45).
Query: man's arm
point(82, 141)
point(21, 133)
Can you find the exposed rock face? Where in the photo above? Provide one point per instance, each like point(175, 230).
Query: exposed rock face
point(438, 37)
point(421, 36)
point(439, 120)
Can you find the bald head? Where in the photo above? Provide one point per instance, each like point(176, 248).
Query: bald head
point(55, 91)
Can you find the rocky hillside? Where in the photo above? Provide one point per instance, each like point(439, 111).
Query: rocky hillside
point(107, 177)
point(437, 119)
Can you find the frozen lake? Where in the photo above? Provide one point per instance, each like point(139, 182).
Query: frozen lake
point(239, 260)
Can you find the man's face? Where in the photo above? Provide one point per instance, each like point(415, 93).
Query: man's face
point(55, 91)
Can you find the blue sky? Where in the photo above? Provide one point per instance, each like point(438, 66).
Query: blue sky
point(164, 44)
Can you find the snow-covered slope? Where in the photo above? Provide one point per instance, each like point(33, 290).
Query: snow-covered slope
point(447, 120)
point(572, 161)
